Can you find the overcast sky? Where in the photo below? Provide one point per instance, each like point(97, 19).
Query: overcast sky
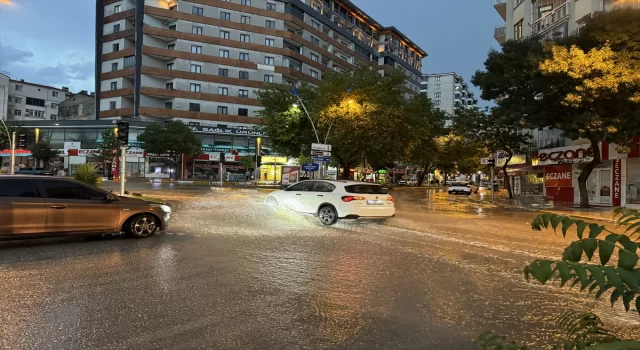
point(51, 42)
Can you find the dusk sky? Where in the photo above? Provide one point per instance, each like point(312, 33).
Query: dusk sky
point(46, 43)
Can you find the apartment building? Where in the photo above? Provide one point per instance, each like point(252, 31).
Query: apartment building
point(549, 19)
point(202, 61)
point(448, 91)
point(29, 101)
point(80, 106)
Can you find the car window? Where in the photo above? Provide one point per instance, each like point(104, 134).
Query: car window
point(300, 186)
point(365, 189)
point(460, 184)
point(70, 190)
point(321, 186)
point(21, 188)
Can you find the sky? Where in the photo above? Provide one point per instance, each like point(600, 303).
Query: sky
point(46, 43)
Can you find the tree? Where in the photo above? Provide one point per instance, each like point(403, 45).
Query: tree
point(173, 138)
point(248, 162)
point(42, 152)
point(455, 152)
point(497, 132)
point(109, 147)
point(5, 141)
point(620, 280)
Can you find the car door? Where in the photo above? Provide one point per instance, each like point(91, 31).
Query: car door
point(75, 207)
point(294, 197)
point(317, 195)
point(22, 210)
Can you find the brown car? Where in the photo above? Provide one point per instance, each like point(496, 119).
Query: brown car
point(39, 206)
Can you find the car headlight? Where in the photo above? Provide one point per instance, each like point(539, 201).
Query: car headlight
point(165, 208)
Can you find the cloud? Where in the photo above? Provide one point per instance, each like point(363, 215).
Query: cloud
point(10, 55)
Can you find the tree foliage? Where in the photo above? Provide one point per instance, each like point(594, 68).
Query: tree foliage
point(87, 173)
point(173, 138)
point(5, 141)
point(109, 146)
point(42, 152)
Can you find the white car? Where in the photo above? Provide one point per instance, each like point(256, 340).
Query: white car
point(333, 200)
point(462, 187)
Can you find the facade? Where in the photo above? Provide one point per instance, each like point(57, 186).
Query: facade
point(203, 60)
point(80, 106)
point(548, 18)
point(4, 95)
point(29, 101)
point(448, 91)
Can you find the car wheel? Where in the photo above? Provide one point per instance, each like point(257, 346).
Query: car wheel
point(327, 215)
point(142, 226)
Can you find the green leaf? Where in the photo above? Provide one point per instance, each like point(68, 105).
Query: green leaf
point(595, 230)
point(564, 271)
point(598, 274)
point(615, 295)
point(537, 223)
point(555, 221)
point(566, 223)
point(617, 345)
point(546, 218)
point(635, 228)
point(626, 259)
point(605, 249)
point(541, 270)
point(581, 272)
point(614, 278)
point(573, 252)
point(629, 279)
point(626, 299)
point(581, 225)
point(627, 243)
point(638, 305)
point(589, 245)
point(603, 290)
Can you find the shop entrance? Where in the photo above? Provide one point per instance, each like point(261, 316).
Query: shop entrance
point(599, 186)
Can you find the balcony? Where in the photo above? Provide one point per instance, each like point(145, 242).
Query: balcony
point(501, 7)
point(552, 19)
point(500, 34)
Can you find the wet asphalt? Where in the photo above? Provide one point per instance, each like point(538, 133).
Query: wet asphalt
point(232, 274)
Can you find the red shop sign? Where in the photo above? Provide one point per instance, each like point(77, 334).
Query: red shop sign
point(617, 183)
point(558, 175)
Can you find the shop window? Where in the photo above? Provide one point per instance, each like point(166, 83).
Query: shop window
point(633, 181)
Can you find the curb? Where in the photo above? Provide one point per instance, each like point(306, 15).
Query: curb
point(585, 217)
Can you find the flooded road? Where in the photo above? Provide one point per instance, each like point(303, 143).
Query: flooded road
point(231, 274)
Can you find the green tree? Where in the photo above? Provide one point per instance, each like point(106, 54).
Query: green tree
point(109, 147)
point(173, 138)
point(498, 131)
point(5, 141)
point(42, 152)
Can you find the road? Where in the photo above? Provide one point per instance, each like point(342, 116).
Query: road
point(231, 274)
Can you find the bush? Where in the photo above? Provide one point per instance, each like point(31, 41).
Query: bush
point(87, 173)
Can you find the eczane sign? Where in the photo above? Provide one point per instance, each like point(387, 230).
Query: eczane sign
point(563, 155)
point(558, 176)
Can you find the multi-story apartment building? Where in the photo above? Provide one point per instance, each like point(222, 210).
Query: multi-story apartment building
point(201, 61)
point(29, 101)
point(548, 18)
point(4, 95)
point(448, 91)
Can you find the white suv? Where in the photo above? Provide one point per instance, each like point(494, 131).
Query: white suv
point(333, 200)
point(462, 187)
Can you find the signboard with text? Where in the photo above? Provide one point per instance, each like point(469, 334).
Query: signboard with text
point(320, 147)
point(616, 199)
point(558, 175)
point(310, 167)
point(563, 155)
point(290, 175)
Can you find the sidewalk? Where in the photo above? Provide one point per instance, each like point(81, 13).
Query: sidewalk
point(539, 203)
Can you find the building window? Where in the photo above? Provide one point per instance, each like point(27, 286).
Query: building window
point(518, 30)
point(35, 102)
point(129, 61)
point(168, 86)
point(116, 9)
point(315, 25)
point(315, 57)
point(269, 60)
point(196, 49)
point(245, 38)
point(197, 11)
point(270, 24)
point(170, 66)
point(55, 93)
point(436, 102)
point(223, 53)
point(194, 107)
point(171, 46)
point(269, 42)
point(114, 66)
point(195, 68)
point(245, 2)
point(437, 95)
point(268, 78)
point(438, 86)
point(244, 56)
point(243, 74)
point(53, 117)
point(18, 87)
point(196, 30)
point(224, 34)
point(194, 87)
point(245, 19)
point(18, 99)
point(112, 105)
point(115, 47)
point(34, 113)
point(17, 112)
point(223, 72)
point(223, 91)
point(314, 73)
point(172, 27)
point(10, 99)
point(243, 93)
point(438, 78)
point(271, 6)
point(225, 16)
point(168, 105)
point(223, 110)
point(114, 85)
point(315, 41)
point(116, 28)
point(243, 112)
point(9, 111)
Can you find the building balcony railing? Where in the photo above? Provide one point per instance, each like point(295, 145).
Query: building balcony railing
point(500, 34)
point(501, 7)
point(553, 18)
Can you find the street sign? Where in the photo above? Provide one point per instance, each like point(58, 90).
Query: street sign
point(320, 153)
point(484, 161)
point(321, 159)
point(310, 167)
point(320, 147)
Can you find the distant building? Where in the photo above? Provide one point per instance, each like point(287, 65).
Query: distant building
point(448, 91)
point(29, 101)
point(80, 106)
point(4, 95)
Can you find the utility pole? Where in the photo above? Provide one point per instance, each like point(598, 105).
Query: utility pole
point(123, 168)
point(122, 135)
point(492, 164)
point(13, 153)
point(221, 170)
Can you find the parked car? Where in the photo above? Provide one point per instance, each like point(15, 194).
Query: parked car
point(33, 171)
point(333, 200)
point(412, 182)
point(462, 187)
point(41, 206)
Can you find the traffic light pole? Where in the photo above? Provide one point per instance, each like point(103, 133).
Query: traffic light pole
point(13, 153)
point(123, 168)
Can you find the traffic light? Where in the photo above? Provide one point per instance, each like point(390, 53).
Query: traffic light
point(221, 157)
point(123, 133)
point(258, 161)
point(22, 141)
point(492, 162)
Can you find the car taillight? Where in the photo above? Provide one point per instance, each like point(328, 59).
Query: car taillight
point(391, 198)
point(352, 198)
